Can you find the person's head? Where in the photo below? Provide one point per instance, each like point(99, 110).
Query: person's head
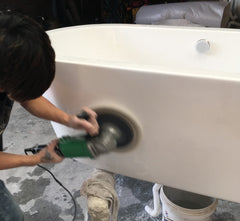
point(27, 59)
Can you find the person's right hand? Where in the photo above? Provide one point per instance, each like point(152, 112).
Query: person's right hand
point(48, 154)
point(90, 126)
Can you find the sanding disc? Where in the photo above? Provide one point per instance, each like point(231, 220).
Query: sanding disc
point(124, 128)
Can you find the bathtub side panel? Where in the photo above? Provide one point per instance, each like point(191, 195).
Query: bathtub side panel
point(190, 125)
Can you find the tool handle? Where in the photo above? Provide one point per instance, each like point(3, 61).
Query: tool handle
point(83, 115)
point(34, 149)
point(37, 148)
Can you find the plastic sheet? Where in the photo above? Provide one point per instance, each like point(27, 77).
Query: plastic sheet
point(209, 14)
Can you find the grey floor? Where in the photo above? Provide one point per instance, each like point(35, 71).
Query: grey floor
point(42, 199)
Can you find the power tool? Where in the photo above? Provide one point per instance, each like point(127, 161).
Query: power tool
point(116, 131)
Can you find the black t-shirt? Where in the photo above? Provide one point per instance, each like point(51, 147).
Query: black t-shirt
point(5, 110)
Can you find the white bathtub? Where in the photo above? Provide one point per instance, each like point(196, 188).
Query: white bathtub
point(186, 103)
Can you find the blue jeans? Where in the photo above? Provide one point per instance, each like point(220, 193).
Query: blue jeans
point(9, 209)
point(1, 143)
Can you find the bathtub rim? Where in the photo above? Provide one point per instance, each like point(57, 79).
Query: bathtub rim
point(152, 26)
point(212, 74)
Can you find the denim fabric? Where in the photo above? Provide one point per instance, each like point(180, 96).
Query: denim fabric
point(9, 210)
point(5, 110)
point(1, 143)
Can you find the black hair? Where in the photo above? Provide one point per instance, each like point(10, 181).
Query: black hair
point(27, 59)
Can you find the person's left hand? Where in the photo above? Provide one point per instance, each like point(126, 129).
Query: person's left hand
point(90, 126)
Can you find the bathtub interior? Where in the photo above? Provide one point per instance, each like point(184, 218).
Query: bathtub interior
point(155, 48)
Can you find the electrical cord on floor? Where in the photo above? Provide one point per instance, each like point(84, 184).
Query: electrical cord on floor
point(74, 201)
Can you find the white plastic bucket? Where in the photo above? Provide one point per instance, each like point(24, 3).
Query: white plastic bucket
point(178, 205)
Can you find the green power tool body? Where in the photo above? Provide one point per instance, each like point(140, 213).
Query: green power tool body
point(115, 132)
point(73, 147)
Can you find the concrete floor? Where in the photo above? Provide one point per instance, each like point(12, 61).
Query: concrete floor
point(42, 199)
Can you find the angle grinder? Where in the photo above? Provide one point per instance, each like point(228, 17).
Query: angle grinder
point(117, 131)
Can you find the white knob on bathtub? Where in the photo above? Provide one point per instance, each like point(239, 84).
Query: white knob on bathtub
point(202, 46)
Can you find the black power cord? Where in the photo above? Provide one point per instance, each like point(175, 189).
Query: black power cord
point(53, 176)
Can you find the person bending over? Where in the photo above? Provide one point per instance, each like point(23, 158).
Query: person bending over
point(27, 69)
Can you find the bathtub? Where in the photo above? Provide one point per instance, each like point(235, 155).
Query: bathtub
point(181, 86)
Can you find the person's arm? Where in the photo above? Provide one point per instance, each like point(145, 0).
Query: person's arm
point(46, 155)
point(8, 160)
point(43, 108)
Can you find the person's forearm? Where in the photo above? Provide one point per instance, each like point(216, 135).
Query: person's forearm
point(8, 160)
point(41, 107)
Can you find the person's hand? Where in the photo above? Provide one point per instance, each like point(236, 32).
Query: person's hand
point(90, 126)
point(48, 154)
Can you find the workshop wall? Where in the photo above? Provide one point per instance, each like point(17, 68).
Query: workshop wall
point(61, 13)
